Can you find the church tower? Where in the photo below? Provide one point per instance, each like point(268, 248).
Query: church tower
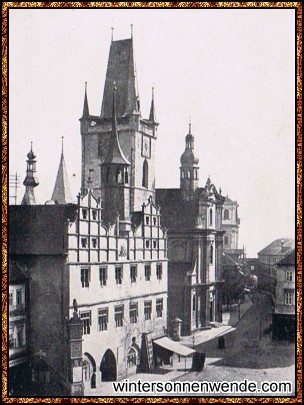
point(189, 169)
point(115, 176)
point(136, 135)
point(30, 180)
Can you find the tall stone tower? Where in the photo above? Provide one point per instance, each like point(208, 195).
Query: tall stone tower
point(189, 169)
point(115, 177)
point(136, 136)
point(30, 181)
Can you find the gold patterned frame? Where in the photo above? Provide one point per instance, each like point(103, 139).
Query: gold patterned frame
point(291, 5)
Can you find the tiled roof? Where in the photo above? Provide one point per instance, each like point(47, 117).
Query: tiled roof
point(15, 273)
point(176, 212)
point(290, 258)
point(275, 247)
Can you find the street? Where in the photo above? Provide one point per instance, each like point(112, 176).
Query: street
point(250, 353)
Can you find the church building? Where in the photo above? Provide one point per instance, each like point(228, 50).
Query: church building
point(193, 218)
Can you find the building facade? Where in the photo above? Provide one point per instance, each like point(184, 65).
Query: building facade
point(101, 262)
point(283, 319)
point(268, 258)
point(193, 218)
point(18, 327)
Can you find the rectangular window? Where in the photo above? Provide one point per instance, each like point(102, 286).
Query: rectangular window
point(10, 299)
point(147, 272)
point(288, 275)
point(103, 276)
point(84, 242)
point(94, 215)
point(159, 307)
point(154, 220)
point(147, 244)
point(154, 244)
point(103, 319)
point(289, 297)
point(84, 213)
point(147, 310)
point(118, 275)
point(133, 274)
point(20, 341)
point(12, 341)
point(86, 322)
point(85, 277)
point(94, 243)
point(19, 297)
point(159, 271)
point(119, 315)
point(147, 220)
point(133, 312)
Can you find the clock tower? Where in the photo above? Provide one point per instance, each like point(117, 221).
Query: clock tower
point(136, 135)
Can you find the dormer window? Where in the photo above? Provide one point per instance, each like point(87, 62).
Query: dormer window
point(226, 214)
point(94, 214)
point(84, 213)
point(210, 217)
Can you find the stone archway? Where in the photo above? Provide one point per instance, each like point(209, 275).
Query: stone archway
point(89, 371)
point(108, 368)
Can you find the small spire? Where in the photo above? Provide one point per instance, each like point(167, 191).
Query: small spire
point(190, 124)
point(112, 34)
point(152, 116)
point(62, 192)
point(131, 30)
point(86, 112)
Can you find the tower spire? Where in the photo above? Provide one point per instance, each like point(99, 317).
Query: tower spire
point(152, 116)
point(189, 170)
point(121, 68)
point(30, 180)
point(112, 34)
point(62, 193)
point(86, 112)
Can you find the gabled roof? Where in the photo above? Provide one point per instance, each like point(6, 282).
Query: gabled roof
point(278, 247)
point(62, 193)
point(121, 70)
point(289, 259)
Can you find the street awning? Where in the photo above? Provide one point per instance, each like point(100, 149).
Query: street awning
point(175, 347)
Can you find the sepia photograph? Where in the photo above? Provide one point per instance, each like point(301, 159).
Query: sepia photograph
point(151, 202)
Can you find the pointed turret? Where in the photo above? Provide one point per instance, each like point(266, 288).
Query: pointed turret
point(152, 116)
point(86, 112)
point(121, 69)
point(115, 155)
point(30, 180)
point(62, 193)
point(115, 172)
point(189, 170)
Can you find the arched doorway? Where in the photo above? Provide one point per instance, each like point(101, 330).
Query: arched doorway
point(89, 371)
point(108, 367)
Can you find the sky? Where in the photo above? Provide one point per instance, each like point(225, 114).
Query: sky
point(231, 70)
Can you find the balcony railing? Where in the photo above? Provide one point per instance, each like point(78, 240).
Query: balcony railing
point(18, 310)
